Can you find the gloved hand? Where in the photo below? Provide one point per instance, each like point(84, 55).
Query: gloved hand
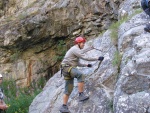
point(101, 58)
point(89, 65)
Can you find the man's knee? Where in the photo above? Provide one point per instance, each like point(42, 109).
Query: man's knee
point(68, 87)
point(68, 92)
point(75, 73)
point(80, 78)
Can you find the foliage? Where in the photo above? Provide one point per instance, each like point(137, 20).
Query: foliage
point(117, 59)
point(114, 35)
point(114, 27)
point(22, 15)
point(20, 99)
point(101, 33)
point(111, 105)
point(61, 50)
point(16, 55)
point(137, 11)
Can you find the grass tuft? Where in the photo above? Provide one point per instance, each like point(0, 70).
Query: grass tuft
point(19, 99)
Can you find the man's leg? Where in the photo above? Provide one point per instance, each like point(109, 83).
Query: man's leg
point(82, 96)
point(65, 99)
point(80, 86)
point(78, 74)
point(67, 92)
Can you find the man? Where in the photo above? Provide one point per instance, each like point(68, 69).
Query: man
point(69, 71)
point(146, 7)
point(3, 106)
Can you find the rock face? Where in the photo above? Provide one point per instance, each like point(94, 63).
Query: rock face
point(32, 33)
point(34, 36)
point(126, 93)
point(99, 84)
point(132, 88)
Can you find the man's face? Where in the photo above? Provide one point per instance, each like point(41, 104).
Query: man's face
point(81, 45)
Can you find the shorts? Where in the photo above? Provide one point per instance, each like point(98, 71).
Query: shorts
point(74, 73)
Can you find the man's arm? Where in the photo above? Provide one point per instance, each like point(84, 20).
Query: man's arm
point(83, 56)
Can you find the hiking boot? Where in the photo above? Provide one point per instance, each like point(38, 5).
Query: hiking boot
point(64, 109)
point(83, 97)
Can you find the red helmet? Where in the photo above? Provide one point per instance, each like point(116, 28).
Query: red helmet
point(79, 40)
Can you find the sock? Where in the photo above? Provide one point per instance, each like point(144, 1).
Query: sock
point(64, 104)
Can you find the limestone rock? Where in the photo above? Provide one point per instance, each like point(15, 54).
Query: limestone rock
point(33, 30)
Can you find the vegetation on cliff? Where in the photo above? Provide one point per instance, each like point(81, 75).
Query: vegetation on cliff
point(19, 99)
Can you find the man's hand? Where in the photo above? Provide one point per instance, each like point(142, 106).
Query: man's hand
point(101, 58)
point(3, 107)
point(89, 65)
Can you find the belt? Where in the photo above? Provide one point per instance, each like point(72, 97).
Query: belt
point(62, 66)
point(65, 65)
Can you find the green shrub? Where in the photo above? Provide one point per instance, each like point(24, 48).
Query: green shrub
point(111, 105)
point(117, 59)
point(16, 55)
point(20, 104)
point(114, 27)
point(114, 30)
point(22, 15)
point(61, 51)
point(20, 99)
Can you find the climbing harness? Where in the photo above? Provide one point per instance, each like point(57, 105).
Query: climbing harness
point(67, 74)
